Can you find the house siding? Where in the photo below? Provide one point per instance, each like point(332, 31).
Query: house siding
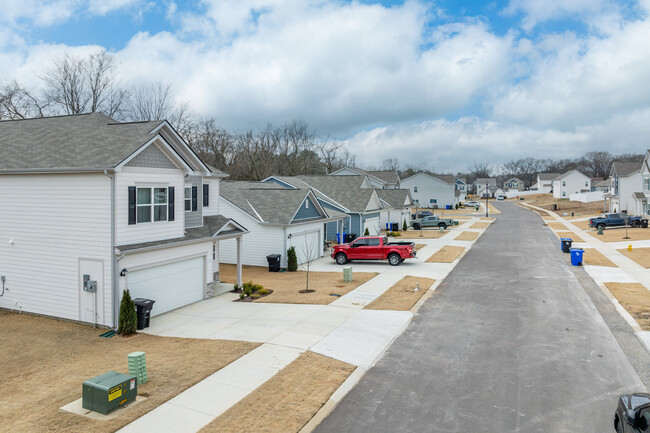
point(628, 185)
point(151, 157)
point(146, 232)
point(355, 224)
point(575, 183)
point(194, 218)
point(307, 210)
point(430, 188)
point(213, 200)
point(54, 221)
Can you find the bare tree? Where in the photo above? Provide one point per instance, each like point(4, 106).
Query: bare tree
point(17, 102)
point(391, 164)
point(154, 101)
point(597, 164)
point(310, 251)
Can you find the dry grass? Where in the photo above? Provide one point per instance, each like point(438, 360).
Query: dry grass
point(635, 298)
point(479, 226)
point(446, 254)
point(286, 285)
point(557, 226)
point(639, 255)
point(594, 257)
point(424, 234)
point(617, 235)
point(402, 295)
point(487, 218)
point(287, 401)
point(584, 225)
point(570, 235)
point(546, 201)
point(467, 236)
point(418, 247)
point(44, 362)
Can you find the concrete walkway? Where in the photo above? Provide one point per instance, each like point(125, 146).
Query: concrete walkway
point(511, 343)
point(342, 330)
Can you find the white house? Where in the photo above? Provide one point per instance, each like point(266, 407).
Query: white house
point(91, 207)
point(625, 180)
point(545, 182)
point(380, 179)
point(461, 187)
point(480, 184)
point(277, 218)
point(571, 182)
point(513, 184)
point(431, 191)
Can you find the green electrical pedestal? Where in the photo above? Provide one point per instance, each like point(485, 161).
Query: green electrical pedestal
point(347, 274)
point(138, 366)
point(107, 392)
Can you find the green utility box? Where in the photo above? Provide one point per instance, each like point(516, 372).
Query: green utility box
point(347, 273)
point(107, 392)
point(138, 366)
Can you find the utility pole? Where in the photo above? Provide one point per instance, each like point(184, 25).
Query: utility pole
point(486, 199)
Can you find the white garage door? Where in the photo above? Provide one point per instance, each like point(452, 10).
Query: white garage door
point(307, 246)
point(171, 286)
point(372, 224)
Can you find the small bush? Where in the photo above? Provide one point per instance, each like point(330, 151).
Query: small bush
point(242, 296)
point(263, 292)
point(236, 287)
point(292, 260)
point(255, 296)
point(128, 322)
point(366, 232)
point(248, 289)
point(404, 226)
point(394, 234)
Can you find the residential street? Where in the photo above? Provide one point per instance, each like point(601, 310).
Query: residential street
point(509, 342)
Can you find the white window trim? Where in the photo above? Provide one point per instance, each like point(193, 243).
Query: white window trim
point(151, 204)
point(185, 199)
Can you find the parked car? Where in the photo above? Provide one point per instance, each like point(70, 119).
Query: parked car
point(472, 204)
point(373, 248)
point(632, 413)
point(501, 197)
point(433, 221)
point(614, 220)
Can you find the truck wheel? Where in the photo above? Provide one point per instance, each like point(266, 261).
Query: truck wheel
point(394, 259)
point(600, 226)
point(416, 226)
point(341, 259)
point(636, 224)
point(443, 225)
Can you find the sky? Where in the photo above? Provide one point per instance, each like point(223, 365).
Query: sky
point(435, 84)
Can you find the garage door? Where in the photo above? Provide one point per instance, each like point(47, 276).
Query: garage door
point(307, 246)
point(172, 286)
point(372, 224)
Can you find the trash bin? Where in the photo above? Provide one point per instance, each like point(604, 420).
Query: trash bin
point(565, 244)
point(274, 262)
point(338, 238)
point(576, 256)
point(387, 226)
point(554, 207)
point(448, 207)
point(143, 309)
point(395, 226)
point(349, 237)
point(644, 223)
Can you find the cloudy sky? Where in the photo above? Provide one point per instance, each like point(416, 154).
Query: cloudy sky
point(440, 83)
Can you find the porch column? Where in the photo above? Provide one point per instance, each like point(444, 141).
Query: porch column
point(239, 277)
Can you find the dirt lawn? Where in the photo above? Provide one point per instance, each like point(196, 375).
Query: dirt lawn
point(467, 236)
point(418, 247)
point(402, 295)
point(446, 254)
point(557, 226)
point(287, 401)
point(44, 362)
point(479, 226)
point(546, 201)
point(424, 234)
point(593, 257)
point(639, 255)
point(286, 285)
point(617, 235)
point(635, 298)
point(569, 235)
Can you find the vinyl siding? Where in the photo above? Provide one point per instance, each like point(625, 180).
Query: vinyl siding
point(145, 232)
point(54, 221)
point(575, 182)
point(152, 157)
point(194, 218)
point(213, 208)
point(430, 188)
point(355, 224)
point(307, 210)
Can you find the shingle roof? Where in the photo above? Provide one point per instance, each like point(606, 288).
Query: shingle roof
point(211, 225)
point(273, 203)
point(548, 176)
point(386, 176)
point(394, 197)
point(489, 180)
point(626, 168)
point(345, 190)
point(445, 178)
point(85, 141)
point(639, 195)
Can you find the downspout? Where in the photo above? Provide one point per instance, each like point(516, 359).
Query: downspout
point(284, 240)
point(114, 259)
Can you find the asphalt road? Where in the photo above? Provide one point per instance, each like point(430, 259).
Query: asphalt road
point(509, 342)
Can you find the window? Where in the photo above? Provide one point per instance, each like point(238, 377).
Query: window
point(563, 183)
point(433, 200)
point(188, 198)
point(151, 205)
point(647, 183)
point(586, 183)
point(415, 189)
point(563, 193)
point(372, 242)
point(306, 204)
point(359, 243)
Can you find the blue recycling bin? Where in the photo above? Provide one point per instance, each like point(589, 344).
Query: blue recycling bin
point(387, 226)
point(565, 244)
point(576, 256)
point(338, 238)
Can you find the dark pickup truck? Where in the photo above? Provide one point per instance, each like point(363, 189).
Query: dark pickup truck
point(615, 220)
point(633, 413)
point(373, 248)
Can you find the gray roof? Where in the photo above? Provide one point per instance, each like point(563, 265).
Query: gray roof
point(489, 180)
point(211, 225)
point(548, 176)
point(605, 182)
point(84, 141)
point(345, 190)
point(394, 197)
point(273, 203)
point(387, 176)
point(216, 172)
point(445, 178)
point(626, 168)
point(639, 195)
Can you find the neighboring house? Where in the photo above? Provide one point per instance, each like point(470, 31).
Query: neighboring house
point(624, 180)
point(277, 218)
point(431, 191)
point(461, 189)
point(534, 187)
point(380, 179)
point(397, 205)
point(545, 182)
point(480, 184)
point(130, 205)
point(642, 202)
point(600, 185)
point(513, 184)
point(571, 182)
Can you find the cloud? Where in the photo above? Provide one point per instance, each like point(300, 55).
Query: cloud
point(41, 13)
point(103, 7)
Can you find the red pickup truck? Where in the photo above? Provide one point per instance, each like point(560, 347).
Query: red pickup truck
point(373, 248)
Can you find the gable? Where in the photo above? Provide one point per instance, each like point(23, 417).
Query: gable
point(374, 203)
point(152, 157)
point(345, 171)
point(307, 210)
point(278, 182)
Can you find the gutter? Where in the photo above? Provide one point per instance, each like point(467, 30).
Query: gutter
point(114, 265)
point(56, 170)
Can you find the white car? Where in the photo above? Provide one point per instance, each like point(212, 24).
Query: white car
point(472, 204)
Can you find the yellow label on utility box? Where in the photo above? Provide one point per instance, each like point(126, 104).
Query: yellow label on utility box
point(114, 392)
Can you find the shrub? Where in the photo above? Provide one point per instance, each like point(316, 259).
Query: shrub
point(292, 260)
point(404, 226)
point(128, 322)
point(242, 296)
point(236, 287)
point(366, 232)
point(255, 296)
point(263, 292)
point(248, 289)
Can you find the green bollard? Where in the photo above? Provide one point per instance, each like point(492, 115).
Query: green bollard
point(600, 230)
point(442, 229)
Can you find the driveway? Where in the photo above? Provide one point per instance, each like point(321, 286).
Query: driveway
point(510, 342)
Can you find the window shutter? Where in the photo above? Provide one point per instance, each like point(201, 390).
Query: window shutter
point(132, 207)
point(195, 193)
point(170, 203)
point(206, 195)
